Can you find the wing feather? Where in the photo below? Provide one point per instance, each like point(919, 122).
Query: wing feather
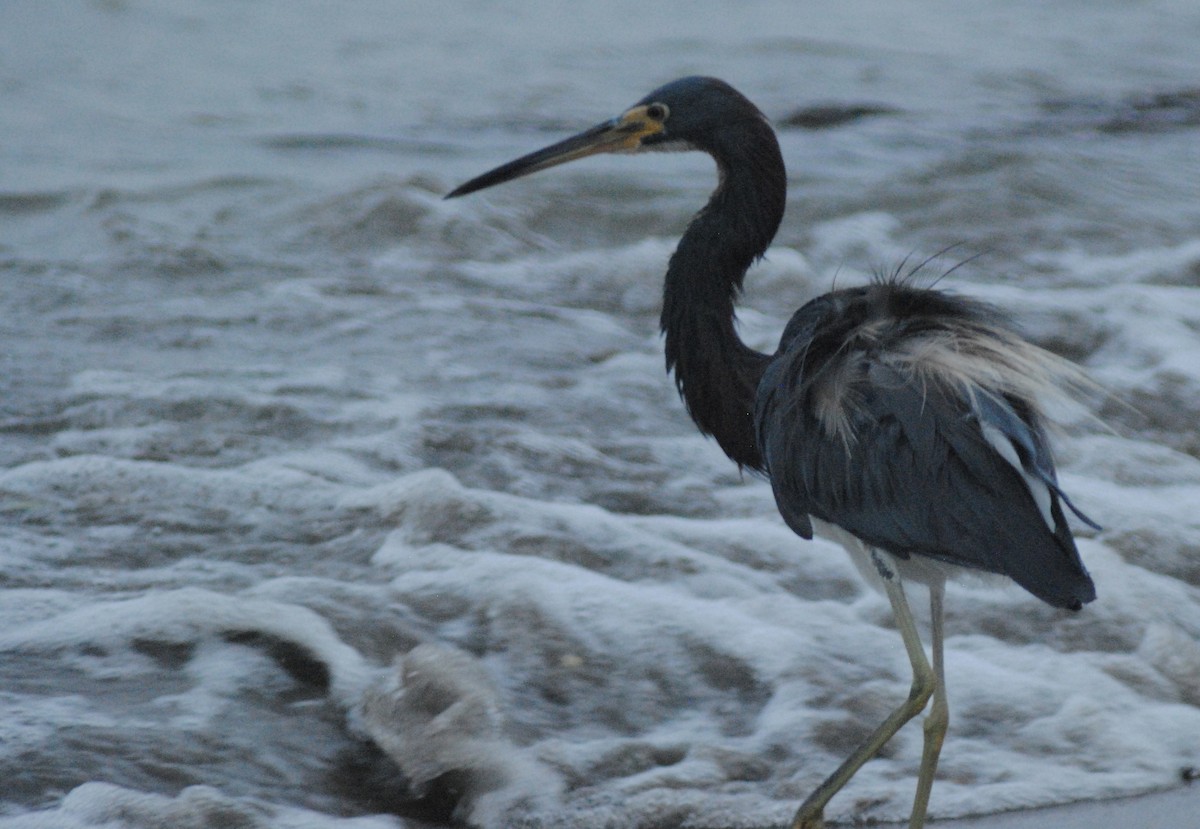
point(925, 468)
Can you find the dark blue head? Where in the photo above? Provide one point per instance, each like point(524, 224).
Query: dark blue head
point(697, 112)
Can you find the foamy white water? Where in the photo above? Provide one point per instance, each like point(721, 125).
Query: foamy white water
point(331, 504)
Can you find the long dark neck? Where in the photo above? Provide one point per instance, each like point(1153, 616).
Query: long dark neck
point(717, 374)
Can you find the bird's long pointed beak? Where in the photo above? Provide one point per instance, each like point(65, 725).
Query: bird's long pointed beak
point(623, 134)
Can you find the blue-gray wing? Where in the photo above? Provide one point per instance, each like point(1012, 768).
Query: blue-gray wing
point(918, 468)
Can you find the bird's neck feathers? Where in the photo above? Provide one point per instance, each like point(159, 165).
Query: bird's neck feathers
point(717, 374)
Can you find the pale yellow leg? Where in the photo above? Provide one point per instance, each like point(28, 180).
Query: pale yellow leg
point(810, 815)
point(938, 719)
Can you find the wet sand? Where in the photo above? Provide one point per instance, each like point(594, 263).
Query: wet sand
point(1174, 809)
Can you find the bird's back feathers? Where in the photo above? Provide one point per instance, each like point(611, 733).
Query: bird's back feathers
point(910, 418)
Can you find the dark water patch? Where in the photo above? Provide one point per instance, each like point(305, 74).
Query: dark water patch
point(190, 260)
point(1074, 333)
point(1147, 112)
point(364, 776)
point(141, 736)
point(301, 664)
point(378, 215)
point(1165, 413)
point(632, 757)
point(825, 116)
point(168, 655)
point(1166, 549)
point(21, 204)
point(109, 197)
point(348, 142)
point(230, 417)
point(569, 465)
point(33, 425)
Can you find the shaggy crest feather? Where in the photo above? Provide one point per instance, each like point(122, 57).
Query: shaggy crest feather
point(994, 361)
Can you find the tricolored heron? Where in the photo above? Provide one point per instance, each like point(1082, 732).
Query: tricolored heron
point(902, 421)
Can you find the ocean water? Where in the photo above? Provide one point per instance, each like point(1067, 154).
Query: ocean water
point(329, 503)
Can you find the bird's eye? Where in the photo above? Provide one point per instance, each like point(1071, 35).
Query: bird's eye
point(657, 112)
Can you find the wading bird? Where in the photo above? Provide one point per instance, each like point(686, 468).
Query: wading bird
point(902, 421)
